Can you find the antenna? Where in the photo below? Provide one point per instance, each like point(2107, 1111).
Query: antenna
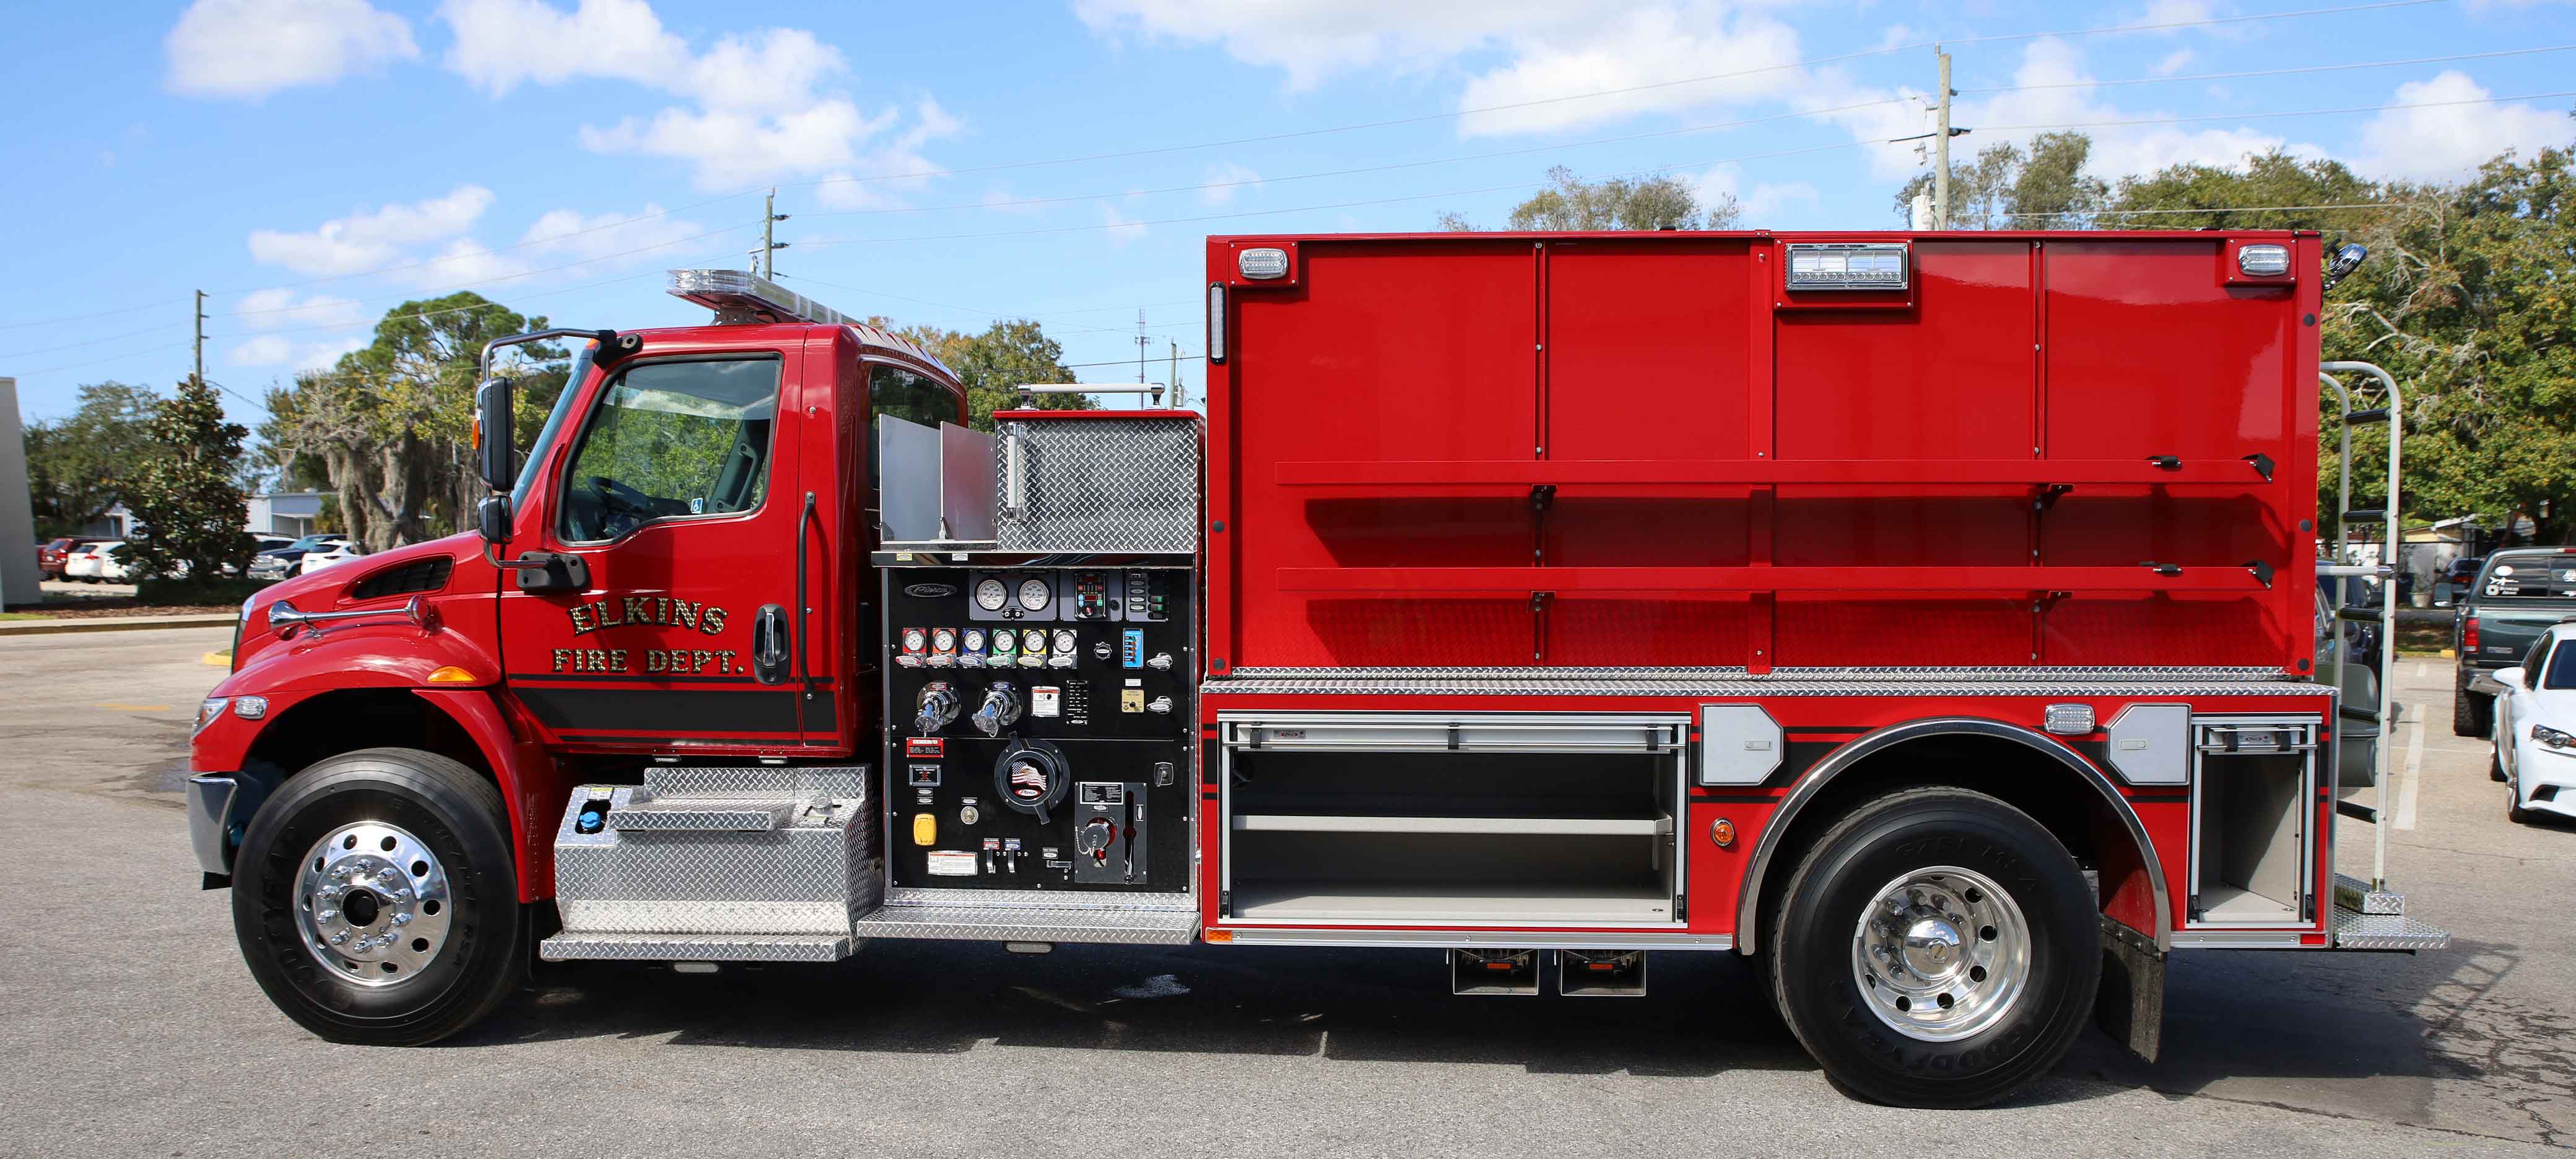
point(1140, 344)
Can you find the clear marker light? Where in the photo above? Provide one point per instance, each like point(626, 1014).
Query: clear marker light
point(2263, 261)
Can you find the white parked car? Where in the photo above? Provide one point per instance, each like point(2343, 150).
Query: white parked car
point(88, 564)
point(2535, 726)
point(330, 551)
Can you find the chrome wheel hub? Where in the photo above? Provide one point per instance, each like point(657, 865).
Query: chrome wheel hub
point(1940, 954)
point(371, 902)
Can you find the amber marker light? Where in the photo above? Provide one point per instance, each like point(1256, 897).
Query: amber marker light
point(451, 674)
point(1722, 831)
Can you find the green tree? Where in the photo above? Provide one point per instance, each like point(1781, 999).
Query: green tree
point(1570, 203)
point(2009, 187)
point(188, 499)
point(991, 365)
point(388, 423)
point(77, 465)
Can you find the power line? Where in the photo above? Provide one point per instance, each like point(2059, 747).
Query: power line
point(548, 239)
point(2276, 116)
point(523, 273)
point(2158, 80)
point(109, 358)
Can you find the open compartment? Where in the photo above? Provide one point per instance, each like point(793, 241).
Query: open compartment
point(2252, 803)
point(1485, 819)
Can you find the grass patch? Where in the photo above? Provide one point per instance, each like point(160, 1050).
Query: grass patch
point(8, 617)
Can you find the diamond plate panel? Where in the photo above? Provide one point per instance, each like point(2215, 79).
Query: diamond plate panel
point(1055, 899)
point(2360, 931)
point(811, 877)
point(695, 948)
point(1101, 485)
point(781, 782)
point(694, 815)
point(2353, 893)
point(1015, 924)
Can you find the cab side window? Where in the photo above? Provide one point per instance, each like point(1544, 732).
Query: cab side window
point(911, 396)
point(672, 440)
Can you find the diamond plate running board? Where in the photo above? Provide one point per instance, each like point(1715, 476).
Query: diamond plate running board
point(2361, 931)
point(695, 948)
point(989, 923)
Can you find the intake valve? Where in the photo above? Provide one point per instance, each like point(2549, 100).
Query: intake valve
point(937, 706)
point(1000, 708)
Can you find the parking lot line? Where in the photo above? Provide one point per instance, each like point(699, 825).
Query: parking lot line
point(2414, 767)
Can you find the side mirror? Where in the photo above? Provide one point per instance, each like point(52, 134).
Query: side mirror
point(493, 418)
point(2509, 676)
point(492, 518)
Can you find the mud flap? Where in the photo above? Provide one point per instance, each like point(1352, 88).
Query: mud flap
point(2130, 1005)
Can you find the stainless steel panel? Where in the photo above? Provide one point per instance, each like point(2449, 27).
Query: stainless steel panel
point(910, 895)
point(1477, 939)
point(2150, 744)
point(1739, 744)
point(809, 877)
point(2360, 931)
point(210, 803)
point(908, 480)
point(2354, 894)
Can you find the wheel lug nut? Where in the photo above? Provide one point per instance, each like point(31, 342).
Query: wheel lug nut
point(327, 915)
point(402, 919)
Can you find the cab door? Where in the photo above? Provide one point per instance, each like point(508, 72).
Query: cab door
point(675, 488)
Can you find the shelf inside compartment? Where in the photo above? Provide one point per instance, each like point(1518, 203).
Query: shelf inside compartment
point(2253, 815)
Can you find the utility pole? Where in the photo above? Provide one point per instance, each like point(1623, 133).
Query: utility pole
point(201, 335)
point(1941, 148)
point(767, 266)
point(1140, 345)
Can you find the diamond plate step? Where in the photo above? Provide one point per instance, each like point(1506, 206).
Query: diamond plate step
point(2361, 931)
point(992, 923)
point(695, 947)
point(700, 815)
point(2354, 894)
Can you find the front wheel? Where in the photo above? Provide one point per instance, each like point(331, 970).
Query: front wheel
point(1937, 948)
point(375, 898)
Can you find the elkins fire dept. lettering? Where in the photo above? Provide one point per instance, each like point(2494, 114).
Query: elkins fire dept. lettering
point(660, 611)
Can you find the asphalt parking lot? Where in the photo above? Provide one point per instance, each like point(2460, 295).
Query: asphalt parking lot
point(128, 1025)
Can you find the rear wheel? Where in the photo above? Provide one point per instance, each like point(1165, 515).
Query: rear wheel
point(375, 898)
point(2471, 714)
point(1937, 948)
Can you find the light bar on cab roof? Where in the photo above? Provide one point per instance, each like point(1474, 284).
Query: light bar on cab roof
point(736, 296)
point(740, 298)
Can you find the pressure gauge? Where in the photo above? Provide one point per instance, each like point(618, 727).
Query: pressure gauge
point(1064, 641)
point(1034, 594)
point(974, 639)
point(944, 640)
point(1033, 640)
point(912, 639)
point(1005, 641)
point(991, 594)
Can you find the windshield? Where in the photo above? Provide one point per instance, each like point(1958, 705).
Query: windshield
point(2536, 575)
point(546, 435)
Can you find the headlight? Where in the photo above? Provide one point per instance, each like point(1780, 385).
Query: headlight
point(212, 708)
point(2552, 738)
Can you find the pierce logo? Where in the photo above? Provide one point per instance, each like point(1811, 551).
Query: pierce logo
point(930, 591)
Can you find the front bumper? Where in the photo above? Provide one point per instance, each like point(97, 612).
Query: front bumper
point(2547, 781)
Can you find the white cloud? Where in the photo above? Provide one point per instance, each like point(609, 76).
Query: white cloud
point(1642, 47)
point(1312, 40)
point(1226, 180)
point(1763, 205)
point(2454, 139)
point(277, 350)
point(367, 239)
point(758, 104)
point(1122, 229)
point(2174, 62)
point(251, 48)
point(271, 309)
point(2118, 149)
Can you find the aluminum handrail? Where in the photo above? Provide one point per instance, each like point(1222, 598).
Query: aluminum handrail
point(2387, 601)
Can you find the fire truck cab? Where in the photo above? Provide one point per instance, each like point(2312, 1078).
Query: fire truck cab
point(1926, 616)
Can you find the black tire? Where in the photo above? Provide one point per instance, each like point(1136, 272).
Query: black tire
point(1812, 947)
point(2471, 714)
point(459, 817)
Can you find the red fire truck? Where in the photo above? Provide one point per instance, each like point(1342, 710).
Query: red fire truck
point(1931, 618)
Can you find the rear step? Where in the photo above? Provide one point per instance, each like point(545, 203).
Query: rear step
point(2375, 919)
point(716, 865)
point(1601, 973)
point(1493, 971)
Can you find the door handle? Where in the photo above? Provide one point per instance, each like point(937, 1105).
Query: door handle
point(770, 649)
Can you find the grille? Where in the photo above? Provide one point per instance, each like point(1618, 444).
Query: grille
point(1100, 485)
point(420, 575)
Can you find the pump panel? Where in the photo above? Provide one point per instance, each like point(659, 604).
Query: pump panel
point(1039, 718)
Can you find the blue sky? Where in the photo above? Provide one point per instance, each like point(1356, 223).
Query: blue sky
point(311, 163)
